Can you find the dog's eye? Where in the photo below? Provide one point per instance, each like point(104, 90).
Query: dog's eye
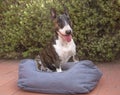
point(69, 21)
point(68, 18)
point(60, 23)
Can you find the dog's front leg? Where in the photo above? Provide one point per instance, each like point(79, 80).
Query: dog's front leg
point(75, 58)
point(59, 69)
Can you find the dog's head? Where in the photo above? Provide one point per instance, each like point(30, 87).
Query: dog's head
point(62, 24)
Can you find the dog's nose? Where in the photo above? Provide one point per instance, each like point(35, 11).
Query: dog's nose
point(68, 32)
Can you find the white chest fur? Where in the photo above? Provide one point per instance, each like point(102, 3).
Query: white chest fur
point(65, 50)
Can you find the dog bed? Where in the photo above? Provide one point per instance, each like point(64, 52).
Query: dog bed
point(80, 77)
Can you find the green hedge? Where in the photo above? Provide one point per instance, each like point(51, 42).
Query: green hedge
point(25, 27)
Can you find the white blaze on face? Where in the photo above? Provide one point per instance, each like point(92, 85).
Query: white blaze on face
point(62, 32)
point(65, 28)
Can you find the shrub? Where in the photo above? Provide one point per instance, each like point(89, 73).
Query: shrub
point(26, 26)
point(97, 28)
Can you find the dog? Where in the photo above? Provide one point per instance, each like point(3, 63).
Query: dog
point(61, 48)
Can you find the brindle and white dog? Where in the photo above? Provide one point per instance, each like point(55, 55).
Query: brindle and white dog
point(62, 46)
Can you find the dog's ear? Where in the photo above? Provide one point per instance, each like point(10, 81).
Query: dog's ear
point(53, 13)
point(66, 11)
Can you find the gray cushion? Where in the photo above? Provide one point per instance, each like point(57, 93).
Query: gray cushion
point(80, 77)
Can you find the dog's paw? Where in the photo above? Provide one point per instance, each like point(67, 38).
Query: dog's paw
point(59, 70)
